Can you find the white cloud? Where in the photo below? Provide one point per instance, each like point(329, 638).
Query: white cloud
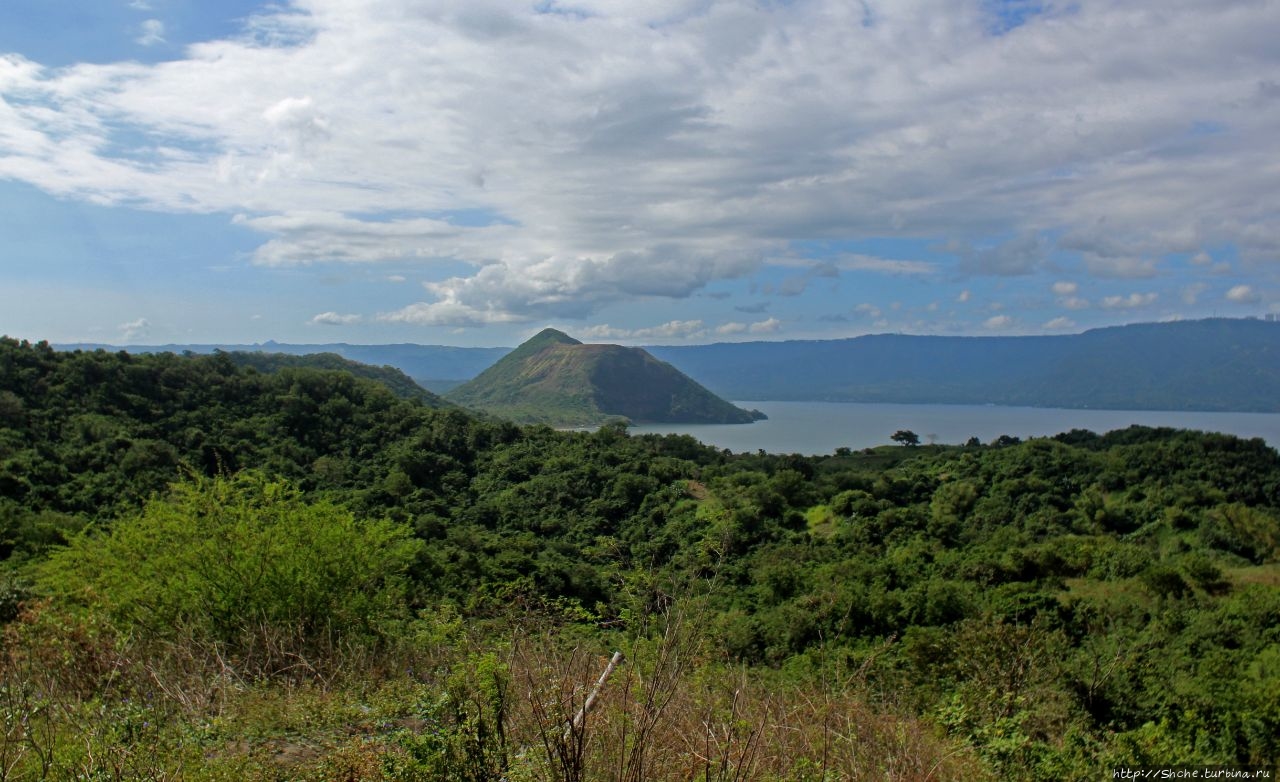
point(1064, 288)
point(1191, 293)
point(448, 314)
point(998, 322)
point(675, 329)
point(151, 32)
point(857, 262)
point(1012, 258)
point(963, 296)
point(769, 326)
point(335, 319)
point(871, 263)
point(1132, 301)
point(518, 289)
point(1075, 303)
point(134, 329)
point(1124, 268)
point(693, 138)
point(1059, 323)
point(304, 238)
point(870, 310)
point(1243, 294)
point(796, 285)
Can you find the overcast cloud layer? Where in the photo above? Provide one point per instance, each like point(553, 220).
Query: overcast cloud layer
point(543, 162)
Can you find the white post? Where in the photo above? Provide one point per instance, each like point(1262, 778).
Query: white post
point(578, 718)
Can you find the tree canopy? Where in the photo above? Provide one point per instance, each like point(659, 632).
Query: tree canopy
point(905, 437)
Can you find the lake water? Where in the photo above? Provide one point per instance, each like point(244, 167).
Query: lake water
point(820, 427)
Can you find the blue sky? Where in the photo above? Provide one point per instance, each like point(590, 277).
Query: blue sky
point(635, 171)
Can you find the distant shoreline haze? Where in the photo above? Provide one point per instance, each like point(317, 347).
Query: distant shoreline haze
point(1218, 364)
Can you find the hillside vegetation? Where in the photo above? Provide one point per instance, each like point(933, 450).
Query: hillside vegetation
point(213, 572)
point(398, 382)
point(434, 367)
point(555, 379)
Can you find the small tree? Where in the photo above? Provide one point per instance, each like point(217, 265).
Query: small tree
point(906, 437)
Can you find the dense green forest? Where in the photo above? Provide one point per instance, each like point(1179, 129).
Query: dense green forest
point(216, 572)
point(435, 367)
point(398, 382)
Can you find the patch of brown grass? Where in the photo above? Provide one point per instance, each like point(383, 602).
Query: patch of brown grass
point(78, 699)
point(1267, 575)
point(673, 714)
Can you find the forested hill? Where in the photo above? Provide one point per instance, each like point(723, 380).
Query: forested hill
point(400, 384)
point(555, 379)
point(434, 367)
point(211, 572)
point(89, 432)
point(1217, 364)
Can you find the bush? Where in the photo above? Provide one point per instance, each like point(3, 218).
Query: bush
point(244, 563)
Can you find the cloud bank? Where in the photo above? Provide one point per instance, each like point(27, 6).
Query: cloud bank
point(545, 160)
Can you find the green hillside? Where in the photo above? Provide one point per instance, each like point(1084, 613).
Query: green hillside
point(209, 572)
point(400, 384)
point(431, 366)
point(555, 379)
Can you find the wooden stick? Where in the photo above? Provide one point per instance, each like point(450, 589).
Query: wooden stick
point(576, 722)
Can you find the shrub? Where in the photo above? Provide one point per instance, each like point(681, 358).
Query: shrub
point(244, 563)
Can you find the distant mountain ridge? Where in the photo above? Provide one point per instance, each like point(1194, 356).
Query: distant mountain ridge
point(555, 379)
point(1217, 364)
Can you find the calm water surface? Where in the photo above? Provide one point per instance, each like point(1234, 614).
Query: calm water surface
point(821, 427)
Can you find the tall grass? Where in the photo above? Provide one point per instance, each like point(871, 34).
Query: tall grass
point(80, 700)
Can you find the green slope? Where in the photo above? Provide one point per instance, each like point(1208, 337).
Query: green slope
point(397, 381)
point(431, 366)
point(555, 379)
